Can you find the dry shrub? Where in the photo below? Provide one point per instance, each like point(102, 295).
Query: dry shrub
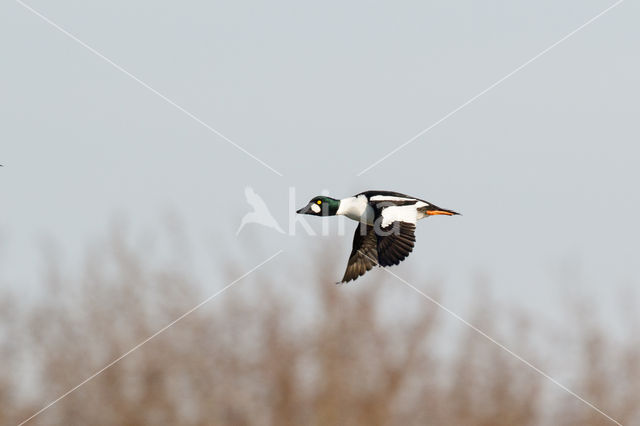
point(261, 355)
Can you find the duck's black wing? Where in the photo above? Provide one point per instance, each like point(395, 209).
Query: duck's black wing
point(364, 254)
point(407, 198)
point(395, 242)
point(383, 246)
point(395, 225)
point(370, 194)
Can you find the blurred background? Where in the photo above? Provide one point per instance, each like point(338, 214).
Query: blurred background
point(119, 212)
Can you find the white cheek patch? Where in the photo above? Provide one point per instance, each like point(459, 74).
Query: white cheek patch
point(315, 208)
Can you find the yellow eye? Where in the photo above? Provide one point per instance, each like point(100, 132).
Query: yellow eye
point(319, 201)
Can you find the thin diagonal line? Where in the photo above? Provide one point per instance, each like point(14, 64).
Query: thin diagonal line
point(490, 87)
point(190, 311)
point(503, 347)
point(142, 83)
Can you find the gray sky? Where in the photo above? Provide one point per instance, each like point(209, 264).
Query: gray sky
point(543, 167)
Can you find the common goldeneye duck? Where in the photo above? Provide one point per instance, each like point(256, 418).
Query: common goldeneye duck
point(387, 221)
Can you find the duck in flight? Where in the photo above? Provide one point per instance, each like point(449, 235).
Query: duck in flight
point(386, 231)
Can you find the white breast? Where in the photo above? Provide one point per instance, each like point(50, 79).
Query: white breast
point(356, 208)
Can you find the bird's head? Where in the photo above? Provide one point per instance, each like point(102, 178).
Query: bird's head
point(321, 206)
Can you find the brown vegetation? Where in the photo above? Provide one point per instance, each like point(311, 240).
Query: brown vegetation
point(259, 355)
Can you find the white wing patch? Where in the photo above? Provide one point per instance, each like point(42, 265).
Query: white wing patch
point(399, 214)
point(390, 198)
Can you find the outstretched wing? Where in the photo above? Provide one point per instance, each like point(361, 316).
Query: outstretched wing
point(385, 243)
point(395, 242)
point(395, 225)
point(364, 254)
